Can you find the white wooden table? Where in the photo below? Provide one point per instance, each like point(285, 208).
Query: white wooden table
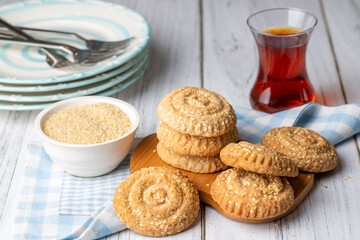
point(206, 43)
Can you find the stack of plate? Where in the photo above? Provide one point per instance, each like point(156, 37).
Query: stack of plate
point(27, 82)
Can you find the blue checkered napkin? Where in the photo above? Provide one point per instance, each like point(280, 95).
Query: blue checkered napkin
point(46, 189)
point(37, 214)
point(83, 196)
point(102, 222)
point(334, 123)
point(46, 208)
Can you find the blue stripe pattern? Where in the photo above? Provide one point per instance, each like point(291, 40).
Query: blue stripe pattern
point(52, 203)
point(123, 29)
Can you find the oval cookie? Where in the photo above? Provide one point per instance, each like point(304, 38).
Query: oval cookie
point(192, 164)
point(248, 195)
point(157, 201)
point(310, 151)
point(197, 111)
point(185, 144)
point(259, 159)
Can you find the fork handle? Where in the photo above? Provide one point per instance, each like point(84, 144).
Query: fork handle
point(52, 57)
point(16, 30)
point(46, 31)
point(30, 40)
point(36, 43)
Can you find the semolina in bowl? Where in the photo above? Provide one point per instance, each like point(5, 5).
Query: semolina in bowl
point(88, 136)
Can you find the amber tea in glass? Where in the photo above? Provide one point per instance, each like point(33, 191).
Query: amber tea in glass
point(281, 36)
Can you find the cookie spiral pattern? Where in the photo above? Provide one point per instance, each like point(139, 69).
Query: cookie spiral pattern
point(259, 159)
point(194, 145)
point(197, 111)
point(247, 195)
point(310, 151)
point(192, 164)
point(157, 201)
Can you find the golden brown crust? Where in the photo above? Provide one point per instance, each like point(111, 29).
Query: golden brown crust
point(247, 195)
point(197, 111)
point(194, 145)
point(259, 159)
point(192, 164)
point(157, 201)
point(310, 151)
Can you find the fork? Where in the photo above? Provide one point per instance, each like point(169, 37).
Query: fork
point(52, 58)
point(79, 55)
point(91, 44)
point(56, 60)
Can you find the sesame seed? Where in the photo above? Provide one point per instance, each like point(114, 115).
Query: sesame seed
point(87, 124)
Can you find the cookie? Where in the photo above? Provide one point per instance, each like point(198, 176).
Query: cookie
point(197, 111)
point(192, 164)
point(248, 195)
point(157, 201)
point(310, 151)
point(259, 159)
point(194, 145)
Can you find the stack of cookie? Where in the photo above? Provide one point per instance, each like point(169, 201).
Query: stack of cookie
point(253, 188)
point(256, 188)
point(195, 125)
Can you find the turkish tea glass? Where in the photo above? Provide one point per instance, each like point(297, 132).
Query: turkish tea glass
point(281, 35)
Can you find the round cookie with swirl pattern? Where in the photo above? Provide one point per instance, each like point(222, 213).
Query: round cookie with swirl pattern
point(197, 111)
point(185, 144)
point(259, 159)
point(157, 201)
point(248, 195)
point(310, 151)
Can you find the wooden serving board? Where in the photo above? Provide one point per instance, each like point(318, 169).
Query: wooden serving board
point(145, 155)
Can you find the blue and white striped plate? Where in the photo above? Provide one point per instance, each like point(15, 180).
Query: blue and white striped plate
point(59, 87)
point(92, 19)
point(26, 106)
point(73, 92)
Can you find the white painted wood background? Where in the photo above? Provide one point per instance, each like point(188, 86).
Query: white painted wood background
point(206, 43)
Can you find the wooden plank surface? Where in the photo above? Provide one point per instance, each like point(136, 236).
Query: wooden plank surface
point(345, 34)
point(207, 43)
point(13, 125)
point(173, 59)
point(230, 68)
point(343, 24)
point(174, 55)
point(230, 54)
point(173, 62)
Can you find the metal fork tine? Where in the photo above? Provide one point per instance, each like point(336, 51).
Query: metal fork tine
point(119, 43)
point(98, 58)
point(103, 53)
point(112, 46)
point(112, 53)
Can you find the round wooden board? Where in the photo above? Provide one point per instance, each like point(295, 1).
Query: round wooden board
point(145, 155)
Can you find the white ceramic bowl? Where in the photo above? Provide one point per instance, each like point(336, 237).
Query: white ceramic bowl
point(88, 160)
